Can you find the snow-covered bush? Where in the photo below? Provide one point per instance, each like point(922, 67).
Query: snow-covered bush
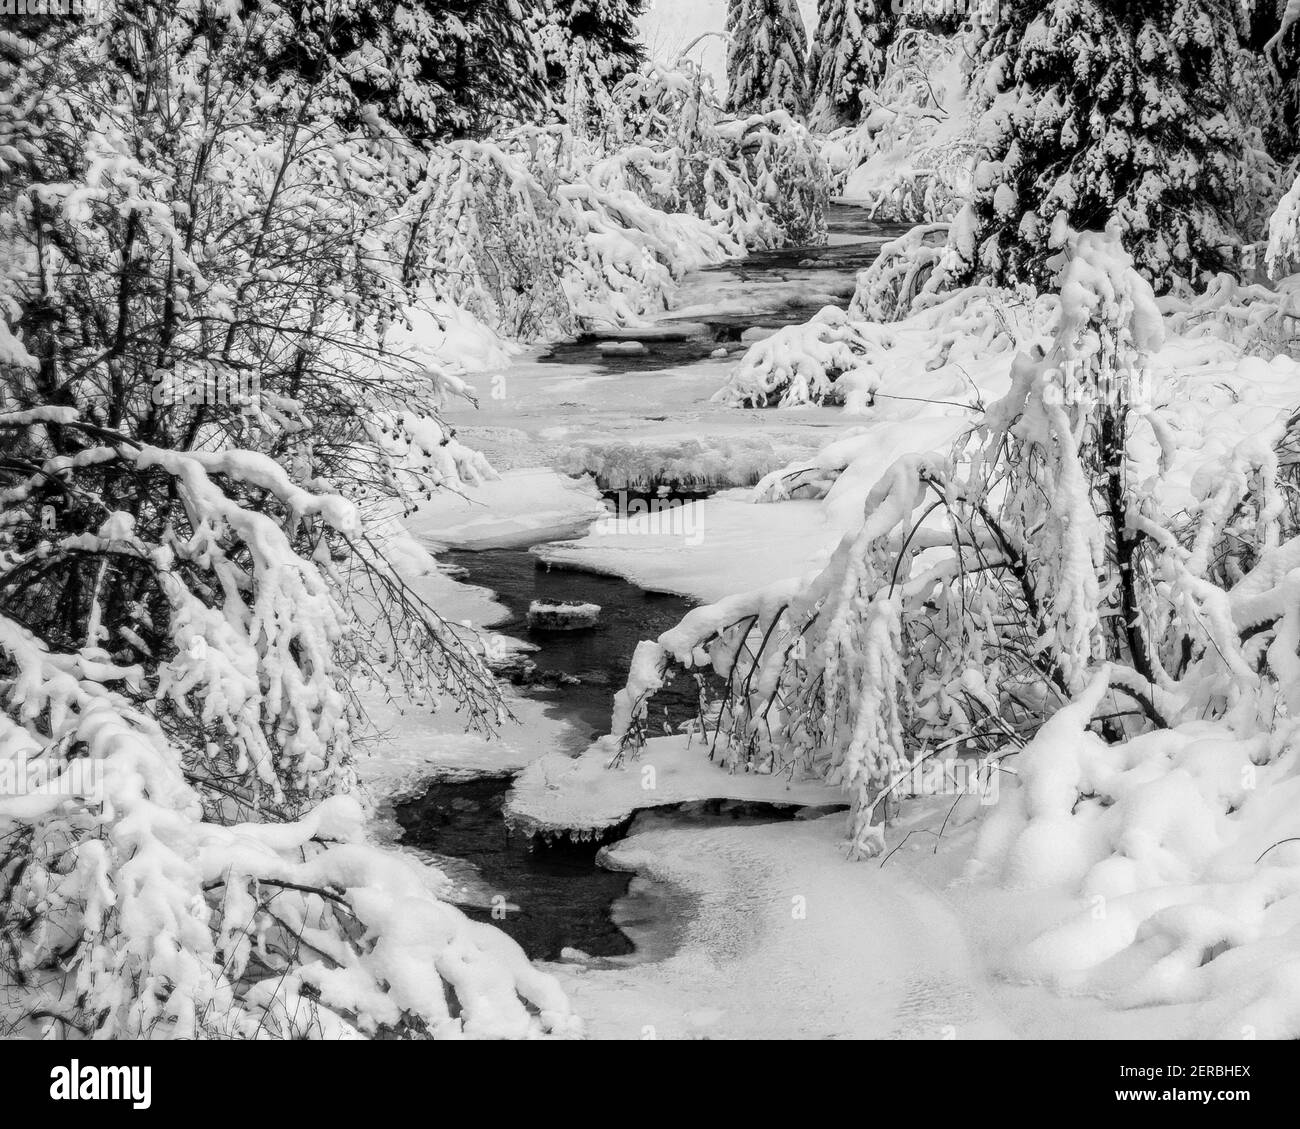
point(202, 428)
point(825, 361)
point(544, 231)
point(537, 239)
point(492, 241)
point(909, 271)
point(1283, 249)
point(1257, 318)
point(856, 360)
point(760, 177)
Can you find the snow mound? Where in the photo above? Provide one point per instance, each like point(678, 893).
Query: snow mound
point(1179, 848)
point(544, 615)
point(939, 355)
point(519, 509)
point(684, 462)
point(583, 796)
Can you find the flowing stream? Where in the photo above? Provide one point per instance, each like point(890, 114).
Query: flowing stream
point(553, 897)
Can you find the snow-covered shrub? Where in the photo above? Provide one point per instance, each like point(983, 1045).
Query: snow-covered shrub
point(1259, 319)
point(857, 361)
point(203, 428)
point(907, 272)
point(822, 362)
point(538, 237)
point(543, 231)
point(493, 244)
point(759, 177)
point(994, 581)
point(1283, 249)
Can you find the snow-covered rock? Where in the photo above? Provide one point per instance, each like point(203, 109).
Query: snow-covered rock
point(621, 348)
point(543, 615)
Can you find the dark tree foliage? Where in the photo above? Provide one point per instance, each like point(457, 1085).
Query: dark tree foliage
point(848, 56)
point(433, 68)
point(606, 30)
point(1101, 111)
point(766, 57)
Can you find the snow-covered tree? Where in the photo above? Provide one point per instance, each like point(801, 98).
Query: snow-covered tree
point(545, 230)
point(848, 56)
point(942, 17)
point(432, 68)
point(995, 582)
point(1101, 109)
point(766, 57)
point(204, 436)
point(588, 47)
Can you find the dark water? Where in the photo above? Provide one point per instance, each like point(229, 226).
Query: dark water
point(555, 896)
point(599, 657)
point(829, 270)
point(562, 897)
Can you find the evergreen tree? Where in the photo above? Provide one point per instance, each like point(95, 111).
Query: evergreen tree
point(433, 68)
point(607, 29)
point(848, 56)
point(1101, 111)
point(766, 64)
point(941, 17)
point(1273, 37)
point(589, 47)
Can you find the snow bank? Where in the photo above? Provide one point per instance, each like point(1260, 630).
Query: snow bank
point(583, 795)
point(521, 508)
point(686, 462)
point(450, 337)
point(715, 546)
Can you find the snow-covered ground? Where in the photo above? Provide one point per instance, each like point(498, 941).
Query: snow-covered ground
point(788, 938)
